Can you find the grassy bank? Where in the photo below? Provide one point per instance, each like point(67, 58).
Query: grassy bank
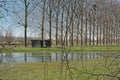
point(83, 48)
point(77, 70)
point(103, 69)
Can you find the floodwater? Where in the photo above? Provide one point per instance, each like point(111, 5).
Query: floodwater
point(21, 57)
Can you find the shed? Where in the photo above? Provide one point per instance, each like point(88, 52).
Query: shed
point(41, 43)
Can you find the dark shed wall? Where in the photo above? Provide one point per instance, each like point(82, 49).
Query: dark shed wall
point(41, 43)
point(35, 43)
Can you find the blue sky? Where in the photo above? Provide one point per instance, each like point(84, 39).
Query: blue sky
point(7, 23)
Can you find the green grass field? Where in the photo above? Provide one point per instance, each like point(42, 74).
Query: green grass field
point(103, 69)
point(68, 70)
point(83, 48)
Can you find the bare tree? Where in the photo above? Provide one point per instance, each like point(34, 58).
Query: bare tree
point(43, 18)
point(50, 11)
point(26, 10)
point(81, 14)
point(62, 22)
point(57, 20)
point(9, 37)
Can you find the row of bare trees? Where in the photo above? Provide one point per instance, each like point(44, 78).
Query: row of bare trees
point(70, 22)
point(81, 22)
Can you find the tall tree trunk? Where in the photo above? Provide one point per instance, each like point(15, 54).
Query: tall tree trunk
point(90, 30)
point(25, 26)
point(72, 19)
point(106, 29)
point(108, 33)
point(103, 39)
point(50, 21)
point(62, 26)
point(111, 42)
point(25, 35)
point(86, 25)
point(114, 33)
point(97, 22)
point(50, 25)
point(66, 34)
point(72, 30)
point(78, 24)
point(94, 25)
point(43, 15)
point(56, 28)
point(81, 27)
point(119, 32)
point(57, 12)
point(81, 16)
point(100, 32)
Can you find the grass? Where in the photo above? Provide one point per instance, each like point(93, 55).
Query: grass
point(73, 70)
point(54, 49)
point(68, 70)
point(32, 71)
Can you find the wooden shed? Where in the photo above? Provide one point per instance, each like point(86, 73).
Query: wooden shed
point(41, 43)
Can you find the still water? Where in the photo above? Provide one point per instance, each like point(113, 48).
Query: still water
point(21, 57)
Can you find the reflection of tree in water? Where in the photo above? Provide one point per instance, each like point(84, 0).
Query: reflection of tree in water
point(9, 58)
point(99, 66)
point(7, 64)
point(1, 57)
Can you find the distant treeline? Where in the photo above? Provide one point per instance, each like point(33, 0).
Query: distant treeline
point(70, 22)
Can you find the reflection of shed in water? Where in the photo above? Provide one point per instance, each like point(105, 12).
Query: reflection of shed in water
point(42, 56)
point(41, 43)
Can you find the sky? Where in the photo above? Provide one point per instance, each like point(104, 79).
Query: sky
point(7, 23)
